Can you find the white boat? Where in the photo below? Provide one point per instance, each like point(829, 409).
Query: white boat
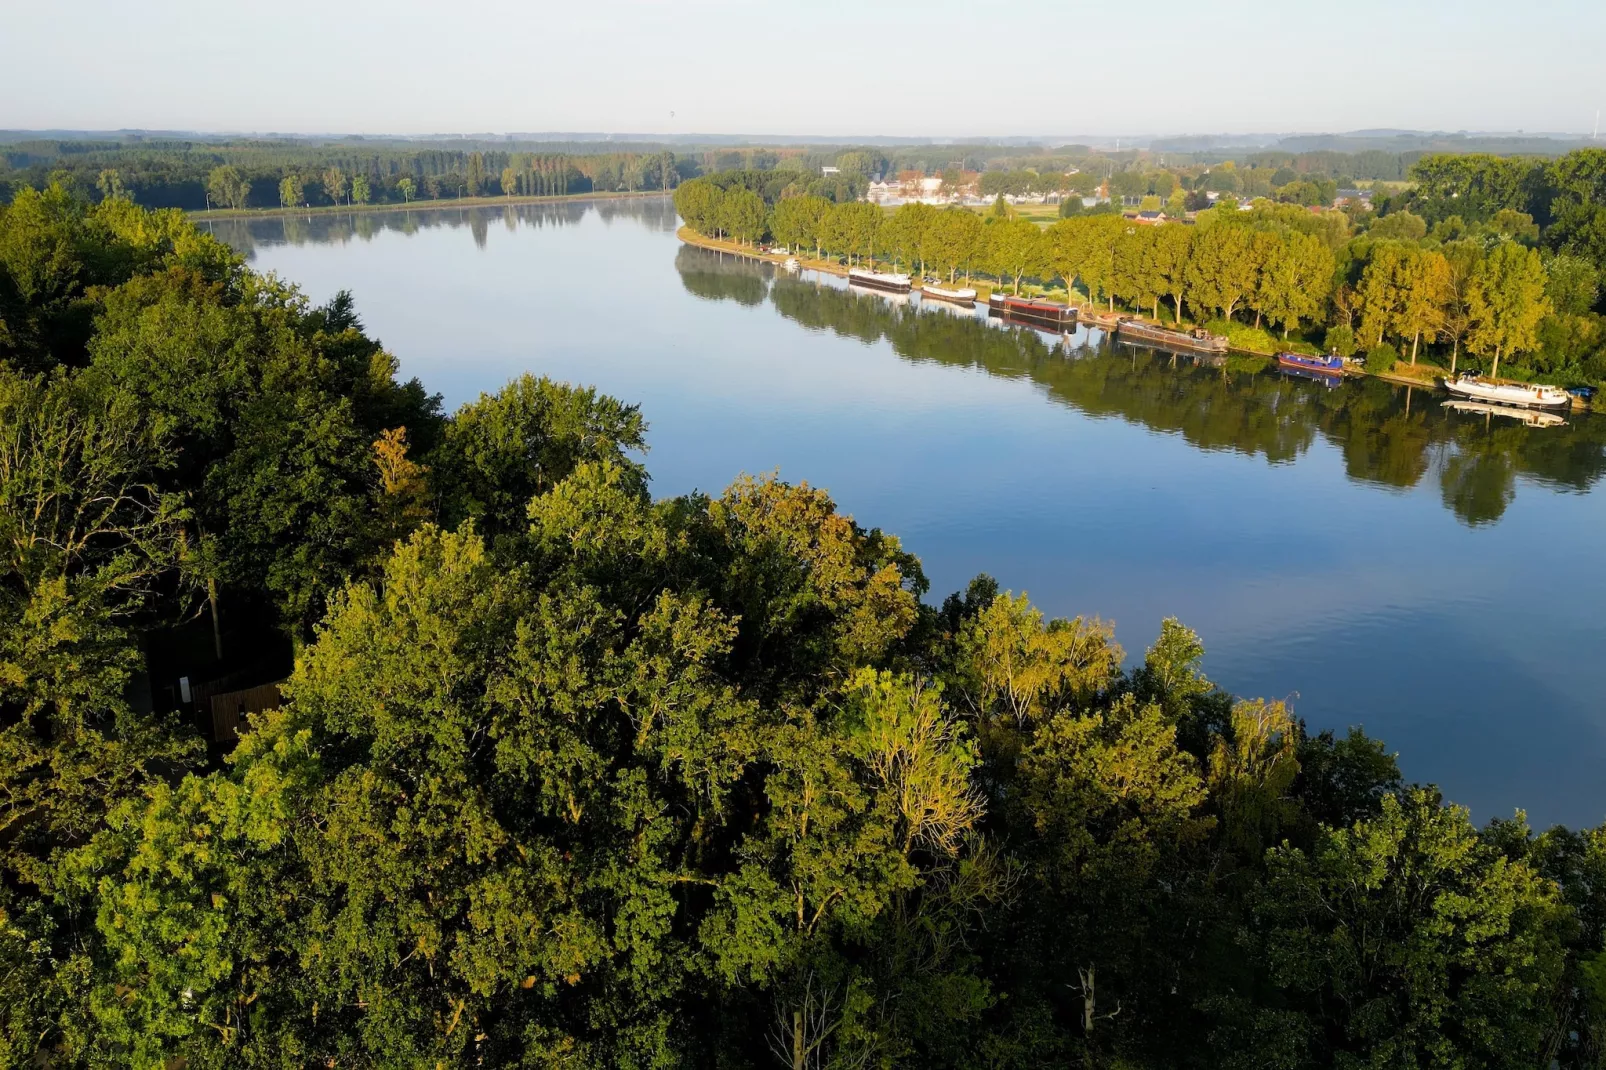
point(1530, 417)
point(880, 280)
point(1522, 395)
point(962, 295)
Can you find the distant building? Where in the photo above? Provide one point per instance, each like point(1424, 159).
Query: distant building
point(829, 170)
point(1344, 197)
point(1149, 218)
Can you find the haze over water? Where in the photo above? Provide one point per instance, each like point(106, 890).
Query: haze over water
point(1432, 576)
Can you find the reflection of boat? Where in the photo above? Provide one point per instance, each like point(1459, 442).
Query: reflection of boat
point(1198, 340)
point(890, 296)
point(792, 264)
point(1331, 364)
point(960, 296)
point(1531, 417)
point(1325, 378)
point(880, 280)
point(1033, 311)
point(1524, 395)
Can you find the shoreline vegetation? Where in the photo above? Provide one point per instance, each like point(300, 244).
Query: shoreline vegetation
point(1484, 293)
point(1423, 375)
point(540, 770)
point(204, 214)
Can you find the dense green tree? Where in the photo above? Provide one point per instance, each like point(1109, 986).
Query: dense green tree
point(1173, 246)
point(291, 191)
point(903, 236)
point(952, 241)
point(1014, 249)
point(1222, 271)
point(504, 448)
point(1412, 943)
point(88, 546)
point(797, 221)
point(698, 203)
point(334, 184)
point(225, 186)
point(1293, 283)
point(742, 215)
point(1506, 302)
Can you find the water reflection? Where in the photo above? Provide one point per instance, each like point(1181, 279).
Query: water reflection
point(1391, 562)
point(338, 228)
point(1391, 435)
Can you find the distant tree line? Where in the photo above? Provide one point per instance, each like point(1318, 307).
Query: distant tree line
point(197, 175)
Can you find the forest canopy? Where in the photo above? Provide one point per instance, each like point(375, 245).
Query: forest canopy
point(562, 774)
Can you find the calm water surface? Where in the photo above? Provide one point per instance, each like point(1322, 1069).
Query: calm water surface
point(1379, 560)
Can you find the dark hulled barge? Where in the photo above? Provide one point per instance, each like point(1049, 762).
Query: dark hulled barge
point(1037, 313)
point(1197, 340)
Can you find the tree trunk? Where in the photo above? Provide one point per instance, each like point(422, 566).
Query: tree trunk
point(1176, 299)
point(217, 629)
point(1495, 371)
point(1415, 338)
point(1157, 309)
point(1455, 351)
point(1089, 1001)
point(799, 1051)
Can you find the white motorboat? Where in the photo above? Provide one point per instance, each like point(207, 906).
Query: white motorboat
point(961, 296)
point(1521, 395)
point(1529, 417)
point(880, 280)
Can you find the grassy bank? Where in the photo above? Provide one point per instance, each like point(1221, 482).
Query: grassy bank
point(409, 206)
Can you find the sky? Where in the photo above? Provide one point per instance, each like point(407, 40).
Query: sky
point(935, 68)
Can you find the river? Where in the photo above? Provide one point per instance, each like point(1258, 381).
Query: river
point(1360, 550)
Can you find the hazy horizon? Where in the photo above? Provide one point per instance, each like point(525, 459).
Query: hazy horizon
point(784, 138)
point(719, 68)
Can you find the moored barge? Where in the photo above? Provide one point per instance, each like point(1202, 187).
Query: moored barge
point(1523, 395)
point(893, 282)
point(1036, 312)
point(1198, 340)
point(1329, 364)
point(958, 296)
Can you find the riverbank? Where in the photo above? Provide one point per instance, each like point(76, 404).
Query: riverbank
point(700, 241)
point(1402, 374)
point(413, 206)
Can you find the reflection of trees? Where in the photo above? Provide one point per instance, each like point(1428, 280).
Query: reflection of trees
point(328, 228)
point(1387, 434)
point(1478, 483)
point(719, 277)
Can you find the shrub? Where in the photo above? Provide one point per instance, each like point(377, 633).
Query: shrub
point(1381, 358)
point(1340, 340)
